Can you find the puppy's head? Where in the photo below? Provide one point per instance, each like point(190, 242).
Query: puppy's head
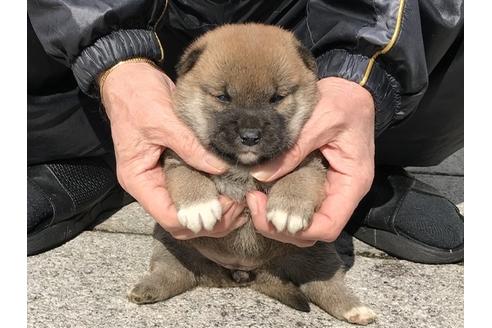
point(246, 91)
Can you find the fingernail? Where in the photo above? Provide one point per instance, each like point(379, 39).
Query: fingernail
point(262, 175)
point(253, 204)
point(227, 205)
point(215, 163)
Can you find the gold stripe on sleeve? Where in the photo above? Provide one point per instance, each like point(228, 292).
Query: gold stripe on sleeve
point(388, 47)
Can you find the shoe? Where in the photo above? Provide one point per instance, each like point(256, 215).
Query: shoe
point(67, 197)
point(409, 219)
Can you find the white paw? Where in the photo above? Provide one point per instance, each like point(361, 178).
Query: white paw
point(361, 315)
point(282, 220)
point(200, 215)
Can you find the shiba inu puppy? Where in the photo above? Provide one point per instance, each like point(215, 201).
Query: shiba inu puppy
point(246, 91)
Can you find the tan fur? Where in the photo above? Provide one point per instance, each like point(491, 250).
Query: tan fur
point(177, 173)
point(294, 276)
point(258, 52)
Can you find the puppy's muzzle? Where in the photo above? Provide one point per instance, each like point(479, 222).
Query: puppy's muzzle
point(250, 137)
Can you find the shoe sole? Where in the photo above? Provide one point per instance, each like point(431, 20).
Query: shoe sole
point(64, 231)
point(407, 249)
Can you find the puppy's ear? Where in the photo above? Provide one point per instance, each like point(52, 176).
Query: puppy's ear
point(307, 58)
point(189, 60)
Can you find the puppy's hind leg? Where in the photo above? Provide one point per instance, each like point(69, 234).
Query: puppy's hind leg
point(335, 298)
point(284, 291)
point(167, 277)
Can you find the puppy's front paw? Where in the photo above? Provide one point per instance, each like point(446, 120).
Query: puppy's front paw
point(291, 214)
point(200, 215)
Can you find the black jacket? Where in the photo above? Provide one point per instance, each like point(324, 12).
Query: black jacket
point(388, 46)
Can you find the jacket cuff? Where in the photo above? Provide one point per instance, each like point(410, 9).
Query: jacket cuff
point(384, 88)
point(108, 51)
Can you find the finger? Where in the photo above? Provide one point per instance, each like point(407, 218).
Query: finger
point(230, 221)
point(333, 215)
point(226, 203)
point(257, 203)
point(323, 227)
point(148, 189)
point(346, 185)
point(235, 211)
point(283, 164)
point(189, 149)
point(230, 213)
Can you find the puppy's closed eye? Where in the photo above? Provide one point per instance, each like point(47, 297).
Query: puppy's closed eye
point(224, 97)
point(276, 98)
point(282, 93)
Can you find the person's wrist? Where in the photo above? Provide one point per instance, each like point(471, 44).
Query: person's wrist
point(121, 70)
point(343, 88)
point(102, 77)
point(124, 80)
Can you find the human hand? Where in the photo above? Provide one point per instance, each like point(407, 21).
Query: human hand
point(138, 101)
point(342, 128)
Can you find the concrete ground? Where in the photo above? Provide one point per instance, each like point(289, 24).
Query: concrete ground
point(83, 283)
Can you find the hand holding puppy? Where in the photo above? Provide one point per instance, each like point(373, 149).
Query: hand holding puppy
point(138, 102)
point(342, 127)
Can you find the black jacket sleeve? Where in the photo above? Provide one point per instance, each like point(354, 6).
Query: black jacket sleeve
point(380, 45)
point(91, 36)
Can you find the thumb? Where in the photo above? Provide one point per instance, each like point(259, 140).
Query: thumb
point(283, 164)
point(190, 150)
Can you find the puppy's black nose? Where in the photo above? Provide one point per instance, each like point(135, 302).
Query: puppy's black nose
point(250, 137)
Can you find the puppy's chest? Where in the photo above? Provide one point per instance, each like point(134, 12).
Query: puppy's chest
point(237, 182)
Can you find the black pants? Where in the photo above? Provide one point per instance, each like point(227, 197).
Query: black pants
point(64, 123)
